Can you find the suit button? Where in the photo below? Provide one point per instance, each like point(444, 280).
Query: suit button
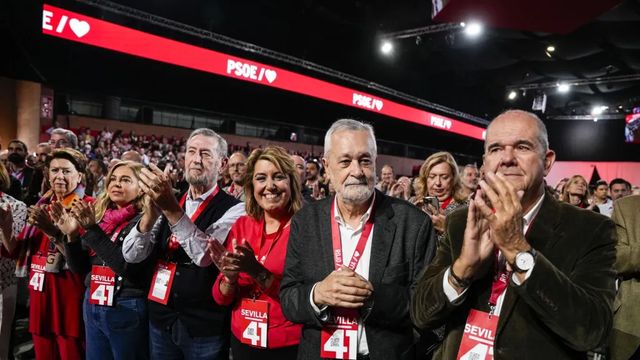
point(177, 273)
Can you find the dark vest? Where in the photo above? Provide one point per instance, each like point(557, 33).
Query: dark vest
point(190, 299)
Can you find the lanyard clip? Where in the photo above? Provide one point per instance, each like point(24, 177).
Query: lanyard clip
point(492, 310)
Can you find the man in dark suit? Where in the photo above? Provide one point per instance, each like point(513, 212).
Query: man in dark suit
point(519, 274)
point(353, 259)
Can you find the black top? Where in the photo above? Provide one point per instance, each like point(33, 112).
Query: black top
point(132, 280)
point(190, 299)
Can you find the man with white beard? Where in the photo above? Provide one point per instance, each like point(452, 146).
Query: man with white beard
point(353, 259)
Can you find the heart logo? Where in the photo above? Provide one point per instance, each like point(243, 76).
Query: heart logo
point(378, 104)
point(270, 75)
point(79, 27)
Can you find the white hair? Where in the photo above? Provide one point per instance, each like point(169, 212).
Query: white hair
point(350, 125)
point(221, 149)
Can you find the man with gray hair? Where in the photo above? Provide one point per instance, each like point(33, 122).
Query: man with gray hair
point(519, 275)
point(174, 236)
point(62, 138)
point(353, 259)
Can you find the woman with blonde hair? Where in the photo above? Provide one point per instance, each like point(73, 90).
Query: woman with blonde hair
point(115, 306)
point(252, 266)
point(439, 189)
point(576, 192)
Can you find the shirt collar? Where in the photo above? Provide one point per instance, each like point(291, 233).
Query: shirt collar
point(338, 216)
point(531, 214)
point(203, 196)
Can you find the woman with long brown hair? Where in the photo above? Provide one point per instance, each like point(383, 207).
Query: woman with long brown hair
point(252, 267)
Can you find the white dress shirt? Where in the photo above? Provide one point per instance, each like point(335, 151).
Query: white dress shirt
point(137, 246)
point(349, 237)
point(453, 295)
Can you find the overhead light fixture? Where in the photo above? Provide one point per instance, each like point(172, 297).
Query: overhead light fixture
point(598, 110)
point(512, 95)
point(386, 47)
point(551, 48)
point(473, 29)
point(563, 87)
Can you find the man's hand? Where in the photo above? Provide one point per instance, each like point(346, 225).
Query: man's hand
point(157, 185)
point(477, 246)
point(505, 219)
point(342, 288)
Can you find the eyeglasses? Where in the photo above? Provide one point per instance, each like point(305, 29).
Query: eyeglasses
point(61, 142)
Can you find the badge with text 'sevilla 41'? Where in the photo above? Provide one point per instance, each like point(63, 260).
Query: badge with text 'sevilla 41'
point(479, 336)
point(339, 336)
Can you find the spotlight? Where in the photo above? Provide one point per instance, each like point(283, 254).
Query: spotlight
point(512, 95)
point(473, 29)
point(386, 47)
point(598, 110)
point(551, 48)
point(563, 88)
point(595, 119)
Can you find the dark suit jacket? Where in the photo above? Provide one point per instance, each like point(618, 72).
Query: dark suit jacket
point(560, 312)
point(402, 241)
point(625, 338)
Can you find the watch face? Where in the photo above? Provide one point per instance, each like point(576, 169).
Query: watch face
point(524, 261)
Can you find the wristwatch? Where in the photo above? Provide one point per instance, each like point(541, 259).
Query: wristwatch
point(524, 261)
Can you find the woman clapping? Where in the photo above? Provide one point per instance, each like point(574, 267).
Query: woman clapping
point(115, 305)
point(252, 267)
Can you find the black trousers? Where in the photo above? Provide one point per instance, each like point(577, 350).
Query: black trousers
point(240, 351)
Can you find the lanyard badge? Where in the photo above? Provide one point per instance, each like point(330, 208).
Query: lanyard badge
point(254, 322)
point(36, 278)
point(102, 286)
point(161, 282)
point(480, 330)
point(339, 334)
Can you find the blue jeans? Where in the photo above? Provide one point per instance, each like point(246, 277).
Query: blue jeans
point(176, 343)
point(117, 332)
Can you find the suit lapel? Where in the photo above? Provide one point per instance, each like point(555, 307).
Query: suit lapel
point(326, 244)
point(383, 235)
point(541, 236)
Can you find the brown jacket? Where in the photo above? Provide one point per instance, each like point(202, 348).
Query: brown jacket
point(560, 312)
point(625, 338)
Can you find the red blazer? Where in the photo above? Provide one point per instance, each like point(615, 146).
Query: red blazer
point(281, 332)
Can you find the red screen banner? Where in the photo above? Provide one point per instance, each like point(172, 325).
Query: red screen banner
point(87, 30)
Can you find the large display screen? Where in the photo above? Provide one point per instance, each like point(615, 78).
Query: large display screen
point(91, 31)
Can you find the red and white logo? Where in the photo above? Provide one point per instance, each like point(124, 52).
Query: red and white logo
point(367, 102)
point(250, 71)
point(79, 27)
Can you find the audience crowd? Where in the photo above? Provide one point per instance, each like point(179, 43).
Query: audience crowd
point(137, 246)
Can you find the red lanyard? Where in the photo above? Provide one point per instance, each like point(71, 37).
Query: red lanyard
point(173, 244)
point(115, 234)
point(202, 206)
point(262, 257)
point(500, 279)
point(337, 241)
